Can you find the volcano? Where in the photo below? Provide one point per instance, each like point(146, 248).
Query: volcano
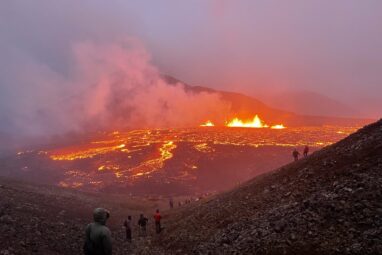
point(244, 106)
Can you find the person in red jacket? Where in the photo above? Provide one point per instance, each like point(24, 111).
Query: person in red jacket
point(157, 218)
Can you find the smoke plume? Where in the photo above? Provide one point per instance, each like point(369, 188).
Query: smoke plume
point(107, 86)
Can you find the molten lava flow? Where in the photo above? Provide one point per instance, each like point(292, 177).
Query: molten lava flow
point(208, 123)
point(255, 123)
point(85, 153)
point(153, 165)
point(279, 126)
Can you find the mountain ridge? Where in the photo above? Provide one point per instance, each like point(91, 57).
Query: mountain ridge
point(245, 107)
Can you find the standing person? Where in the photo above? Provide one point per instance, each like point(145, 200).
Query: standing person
point(97, 235)
point(157, 218)
point(127, 225)
point(171, 203)
point(295, 154)
point(142, 222)
point(306, 151)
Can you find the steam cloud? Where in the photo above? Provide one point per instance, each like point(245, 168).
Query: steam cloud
point(108, 86)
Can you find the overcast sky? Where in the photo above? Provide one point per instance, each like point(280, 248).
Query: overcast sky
point(255, 47)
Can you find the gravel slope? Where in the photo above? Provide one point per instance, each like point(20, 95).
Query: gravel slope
point(329, 203)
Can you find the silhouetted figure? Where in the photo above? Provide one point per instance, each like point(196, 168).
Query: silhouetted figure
point(171, 203)
point(306, 151)
point(295, 154)
point(142, 222)
point(97, 235)
point(157, 218)
point(127, 225)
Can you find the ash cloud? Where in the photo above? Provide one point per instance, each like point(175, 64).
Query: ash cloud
point(109, 85)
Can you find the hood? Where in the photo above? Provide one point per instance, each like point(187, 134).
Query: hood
point(101, 215)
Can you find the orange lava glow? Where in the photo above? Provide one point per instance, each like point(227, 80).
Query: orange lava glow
point(208, 123)
point(280, 126)
point(256, 122)
point(86, 153)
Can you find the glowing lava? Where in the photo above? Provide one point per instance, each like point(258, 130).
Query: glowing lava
point(85, 153)
point(280, 126)
point(255, 123)
point(208, 123)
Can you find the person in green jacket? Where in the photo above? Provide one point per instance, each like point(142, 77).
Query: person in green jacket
point(98, 236)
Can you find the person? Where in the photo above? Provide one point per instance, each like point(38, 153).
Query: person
point(127, 225)
point(142, 222)
point(157, 218)
point(295, 154)
point(306, 151)
point(171, 202)
point(97, 235)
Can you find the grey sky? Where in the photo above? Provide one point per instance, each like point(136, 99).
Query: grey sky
point(255, 47)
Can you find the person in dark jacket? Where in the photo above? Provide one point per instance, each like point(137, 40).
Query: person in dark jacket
point(127, 225)
point(306, 151)
point(97, 235)
point(171, 203)
point(295, 154)
point(142, 222)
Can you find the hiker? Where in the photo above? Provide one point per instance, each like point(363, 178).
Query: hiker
point(295, 154)
point(306, 151)
point(127, 225)
point(97, 235)
point(142, 222)
point(171, 203)
point(157, 218)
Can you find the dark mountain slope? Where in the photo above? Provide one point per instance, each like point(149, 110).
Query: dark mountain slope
point(329, 203)
point(243, 106)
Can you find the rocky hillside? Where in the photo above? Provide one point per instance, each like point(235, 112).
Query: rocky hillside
point(50, 220)
point(329, 203)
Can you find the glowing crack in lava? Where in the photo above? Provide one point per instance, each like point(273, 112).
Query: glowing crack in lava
point(155, 164)
point(87, 153)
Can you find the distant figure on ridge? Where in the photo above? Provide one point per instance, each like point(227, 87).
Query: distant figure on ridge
point(295, 154)
point(127, 225)
point(171, 203)
point(142, 222)
point(157, 218)
point(97, 235)
point(306, 151)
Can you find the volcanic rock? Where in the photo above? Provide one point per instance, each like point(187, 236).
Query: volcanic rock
point(328, 203)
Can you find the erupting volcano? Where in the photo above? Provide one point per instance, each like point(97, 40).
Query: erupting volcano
point(256, 122)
